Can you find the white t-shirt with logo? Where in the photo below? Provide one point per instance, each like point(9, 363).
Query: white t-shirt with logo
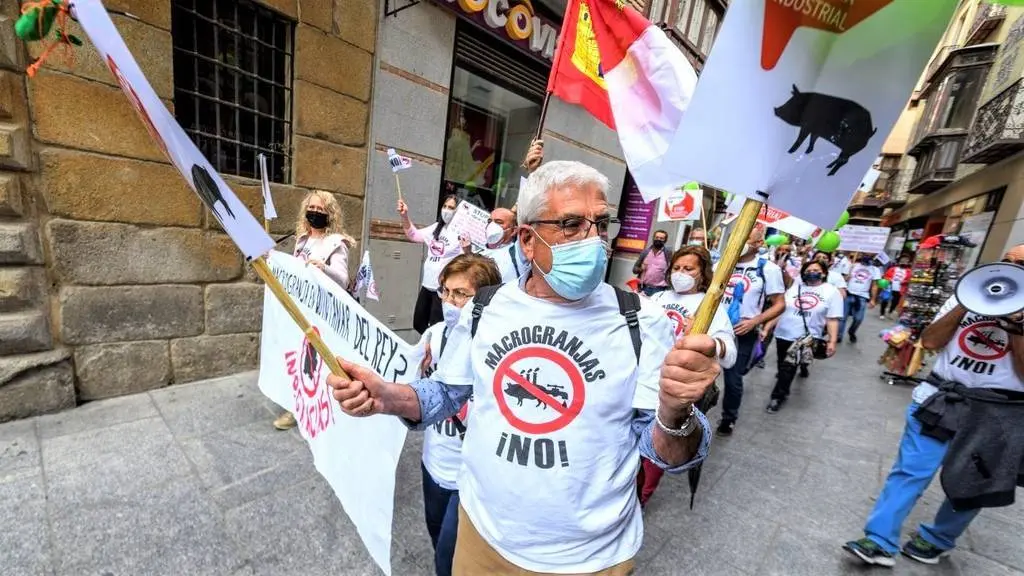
point(439, 253)
point(862, 276)
point(754, 286)
point(683, 306)
point(978, 356)
point(442, 447)
point(842, 266)
point(550, 483)
point(816, 304)
point(506, 259)
point(899, 276)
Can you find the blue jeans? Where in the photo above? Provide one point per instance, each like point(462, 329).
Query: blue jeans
point(734, 376)
point(856, 306)
point(441, 508)
point(919, 458)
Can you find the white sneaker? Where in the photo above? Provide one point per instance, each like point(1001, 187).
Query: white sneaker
point(881, 316)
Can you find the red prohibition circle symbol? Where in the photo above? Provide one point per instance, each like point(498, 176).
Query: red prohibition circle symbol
point(508, 383)
point(734, 279)
point(677, 318)
point(464, 411)
point(984, 341)
point(862, 275)
point(807, 301)
point(310, 365)
point(437, 248)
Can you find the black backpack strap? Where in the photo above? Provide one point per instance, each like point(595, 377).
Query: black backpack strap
point(444, 341)
point(515, 259)
point(480, 301)
point(629, 305)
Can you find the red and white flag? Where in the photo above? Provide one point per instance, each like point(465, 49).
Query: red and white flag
point(607, 49)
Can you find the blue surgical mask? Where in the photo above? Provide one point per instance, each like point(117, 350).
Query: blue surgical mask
point(762, 250)
point(577, 268)
point(451, 314)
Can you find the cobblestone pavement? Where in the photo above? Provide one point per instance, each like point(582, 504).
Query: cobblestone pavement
point(193, 480)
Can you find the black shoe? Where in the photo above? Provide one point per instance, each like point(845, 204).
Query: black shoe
point(923, 551)
point(774, 405)
point(869, 552)
point(724, 428)
point(853, 338)
point(803, 371)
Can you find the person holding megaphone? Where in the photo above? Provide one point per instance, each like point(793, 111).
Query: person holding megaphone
point(965, 417)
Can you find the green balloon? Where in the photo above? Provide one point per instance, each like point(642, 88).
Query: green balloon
point(843, 220)
point(884, 283)
point(828, 242)
point(776, 240)
point(691, 186)
point(1008, 2)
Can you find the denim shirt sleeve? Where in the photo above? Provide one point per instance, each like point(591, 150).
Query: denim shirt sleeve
point(643, 424)
point(438, 401)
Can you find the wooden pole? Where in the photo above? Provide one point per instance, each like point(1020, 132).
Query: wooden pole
point(540, 124)
point(398, 185)
point(744, 224)
point(264, 272)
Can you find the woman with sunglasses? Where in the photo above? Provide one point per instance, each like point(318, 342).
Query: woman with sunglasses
point(442, 442)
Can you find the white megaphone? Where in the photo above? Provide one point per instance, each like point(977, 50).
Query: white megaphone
point(995, 289)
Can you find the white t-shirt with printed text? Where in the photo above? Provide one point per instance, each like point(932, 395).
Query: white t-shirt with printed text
point(683, 306)
point(550, 462)
point(978, 356)
point(815, 304)
point(862, 276)
point(506, 259)
point(754, 286)
point(439, 253)
point(442, 447)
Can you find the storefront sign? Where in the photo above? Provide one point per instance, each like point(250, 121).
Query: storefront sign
point(511, 21)
point(637, 216)
point(682, 204)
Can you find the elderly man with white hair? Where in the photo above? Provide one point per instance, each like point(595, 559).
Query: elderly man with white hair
point(566, 396)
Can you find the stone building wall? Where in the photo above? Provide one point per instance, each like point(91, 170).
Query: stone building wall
point(113, 278)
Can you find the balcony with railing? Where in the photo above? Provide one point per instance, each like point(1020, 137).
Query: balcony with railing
point(998, 130)
point(988, 18)
point(896, 188)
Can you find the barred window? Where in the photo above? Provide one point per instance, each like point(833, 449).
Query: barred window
point(233, 84)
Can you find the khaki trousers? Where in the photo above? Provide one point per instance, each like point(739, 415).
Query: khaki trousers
point(475, 557)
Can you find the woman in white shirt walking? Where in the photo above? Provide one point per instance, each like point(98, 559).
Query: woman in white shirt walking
point(813, 309)
point(442, 442)
point(442, 246)
point(689, 275)
point(320, 241)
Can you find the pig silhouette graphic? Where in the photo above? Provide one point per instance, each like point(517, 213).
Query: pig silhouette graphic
point(840, 121)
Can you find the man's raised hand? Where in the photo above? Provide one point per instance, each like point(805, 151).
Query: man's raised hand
point(360, 396)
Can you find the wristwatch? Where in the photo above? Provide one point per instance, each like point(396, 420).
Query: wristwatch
point(688, 427)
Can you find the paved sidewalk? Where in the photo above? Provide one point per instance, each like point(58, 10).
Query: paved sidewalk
point(193, 480)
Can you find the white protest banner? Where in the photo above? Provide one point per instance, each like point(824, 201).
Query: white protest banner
point(866, 239)
point(797, 98)
point(870, 178)
point(683, 203)
point(470, 220)
point(357, 456)
point(883, 258)
point(269, 212)
point(236, 219)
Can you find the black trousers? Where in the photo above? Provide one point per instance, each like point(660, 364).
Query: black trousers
point(427, 311)
point(786, 371)
point(891, 304)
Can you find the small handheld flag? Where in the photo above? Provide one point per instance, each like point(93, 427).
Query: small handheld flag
point(364, 279)
point(269, 212)
point(398, 162)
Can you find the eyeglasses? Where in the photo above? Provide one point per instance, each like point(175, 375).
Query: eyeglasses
point(1011, 261)
point(577, 227)
point(457, 296)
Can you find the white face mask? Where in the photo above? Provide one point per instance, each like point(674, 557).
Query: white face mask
point(447, 214)
point(451, 314)
point(683, 282)
point(494, 233)
point(696, 242)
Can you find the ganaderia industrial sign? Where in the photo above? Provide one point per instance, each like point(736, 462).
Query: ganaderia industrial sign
point(511, 21)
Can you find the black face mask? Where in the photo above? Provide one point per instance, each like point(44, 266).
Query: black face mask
point(658, 244)
point(812, 277)
point(317, 220)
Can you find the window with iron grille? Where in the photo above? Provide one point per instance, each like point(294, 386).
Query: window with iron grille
point(233, 84)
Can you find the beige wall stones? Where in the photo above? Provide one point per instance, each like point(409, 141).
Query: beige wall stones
point(113, 277)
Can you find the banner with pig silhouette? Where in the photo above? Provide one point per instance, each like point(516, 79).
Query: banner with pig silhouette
point(798, 96)
point(357, 456)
